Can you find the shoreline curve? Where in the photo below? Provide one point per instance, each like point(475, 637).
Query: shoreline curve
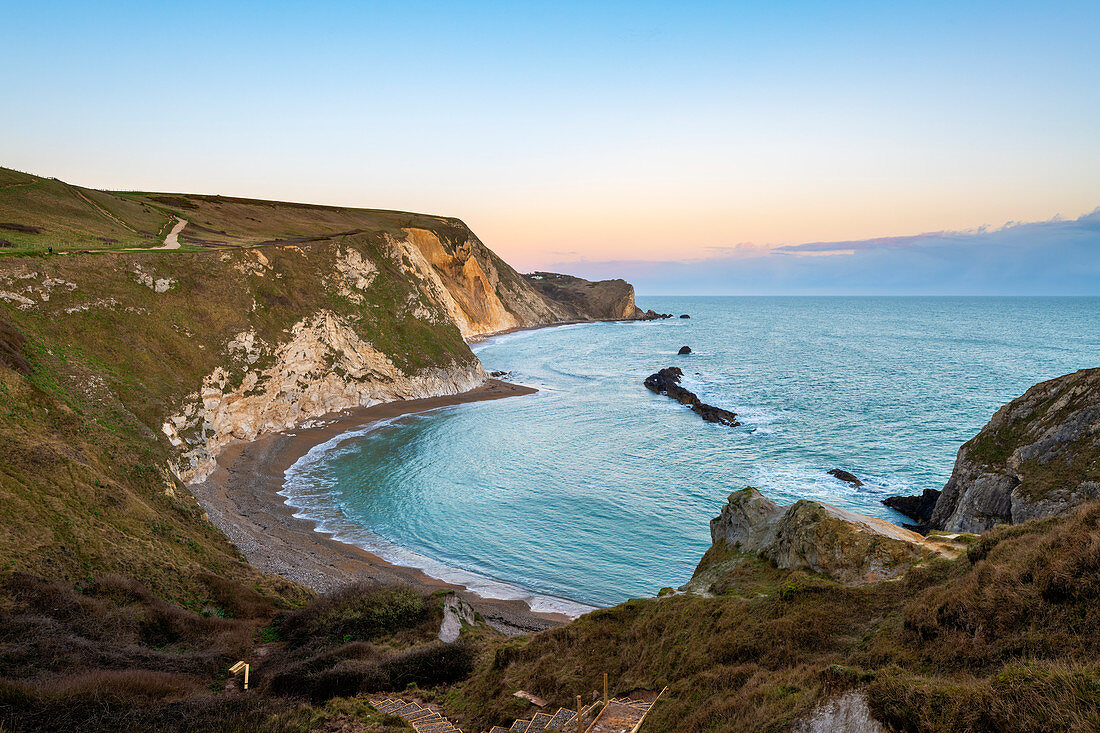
point(242, 498)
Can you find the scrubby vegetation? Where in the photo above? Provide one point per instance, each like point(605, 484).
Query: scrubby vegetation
point(109, 655)
point(365, 639)
point(1004, 639)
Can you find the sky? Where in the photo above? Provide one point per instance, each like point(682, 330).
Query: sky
point(589, 135)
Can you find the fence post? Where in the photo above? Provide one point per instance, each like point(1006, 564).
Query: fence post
point(606, 699)
point(580, 718)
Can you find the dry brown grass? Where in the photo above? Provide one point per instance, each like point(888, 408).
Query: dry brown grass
point(1008, 640)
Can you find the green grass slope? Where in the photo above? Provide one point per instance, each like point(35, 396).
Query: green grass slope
point(37, 213)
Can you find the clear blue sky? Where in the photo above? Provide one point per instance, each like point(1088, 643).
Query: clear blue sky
point(576, 131)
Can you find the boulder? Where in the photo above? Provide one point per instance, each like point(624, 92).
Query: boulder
point(457, 613)
point(684, 350)
point(843, 475)
point(684, 315)
point(1039, 456)
point(811, 535)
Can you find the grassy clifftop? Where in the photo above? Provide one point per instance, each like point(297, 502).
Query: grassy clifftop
point(37, 213)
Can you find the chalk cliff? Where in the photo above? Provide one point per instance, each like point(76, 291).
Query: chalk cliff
point(268, 315)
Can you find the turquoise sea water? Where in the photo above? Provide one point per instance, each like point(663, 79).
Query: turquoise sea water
point(597, 490)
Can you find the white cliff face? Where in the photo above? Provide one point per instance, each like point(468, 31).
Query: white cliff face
point(324, 367)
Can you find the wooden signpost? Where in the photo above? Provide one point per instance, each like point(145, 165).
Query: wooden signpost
point(236, 668)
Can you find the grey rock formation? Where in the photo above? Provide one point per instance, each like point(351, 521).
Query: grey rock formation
point(667, 382)
point(917, 508)
point(580, 299)
point(1038, 457)
point(457, 613)
point(810, 535)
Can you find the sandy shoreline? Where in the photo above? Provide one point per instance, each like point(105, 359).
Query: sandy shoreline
point(242, 499)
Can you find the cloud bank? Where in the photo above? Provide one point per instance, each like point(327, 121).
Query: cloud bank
point(1056, 257)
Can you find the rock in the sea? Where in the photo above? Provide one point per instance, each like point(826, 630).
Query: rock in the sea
point(845, 476)
point(811, 535)
point(684, 350)
point(652, 315)
point(667, 382)
point(684, 315)
point(1039, 456)
point(917, 508)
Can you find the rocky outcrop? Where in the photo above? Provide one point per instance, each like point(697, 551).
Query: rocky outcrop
point(325, 367)
point(684, 350)
point(1039, 456)
point(651, 315)
point(848, 713)
point(667, 382)
point(917, 508)
point(457, 614)
point(811, 535)
point(575, 298)
point(846, 477)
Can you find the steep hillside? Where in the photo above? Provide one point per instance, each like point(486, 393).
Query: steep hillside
point(127, 371)
point(1005, 638)
point(480, 292)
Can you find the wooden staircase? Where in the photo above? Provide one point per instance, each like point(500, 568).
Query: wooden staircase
point(619, 715)
point(422, 719)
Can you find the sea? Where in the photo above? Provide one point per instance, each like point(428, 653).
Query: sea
point(595, 490)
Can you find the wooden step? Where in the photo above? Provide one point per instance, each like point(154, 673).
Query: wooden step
point(560, 719)
point(538, 723)
point(386, 706)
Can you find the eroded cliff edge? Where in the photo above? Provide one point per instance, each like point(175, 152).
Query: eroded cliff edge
point(271, 314)
point(1039, 456)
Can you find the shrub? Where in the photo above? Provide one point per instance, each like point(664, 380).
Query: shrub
point(359, 612)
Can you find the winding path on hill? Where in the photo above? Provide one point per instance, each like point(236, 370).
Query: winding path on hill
point(172, 241)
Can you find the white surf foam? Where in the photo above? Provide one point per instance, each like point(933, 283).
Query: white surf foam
point(314, 499)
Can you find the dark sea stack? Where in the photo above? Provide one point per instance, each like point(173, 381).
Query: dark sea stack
point(652, 315)
point(684, 350)
point(684, 315)
point(845, 476)
point(667, 382)
point(917, 508)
